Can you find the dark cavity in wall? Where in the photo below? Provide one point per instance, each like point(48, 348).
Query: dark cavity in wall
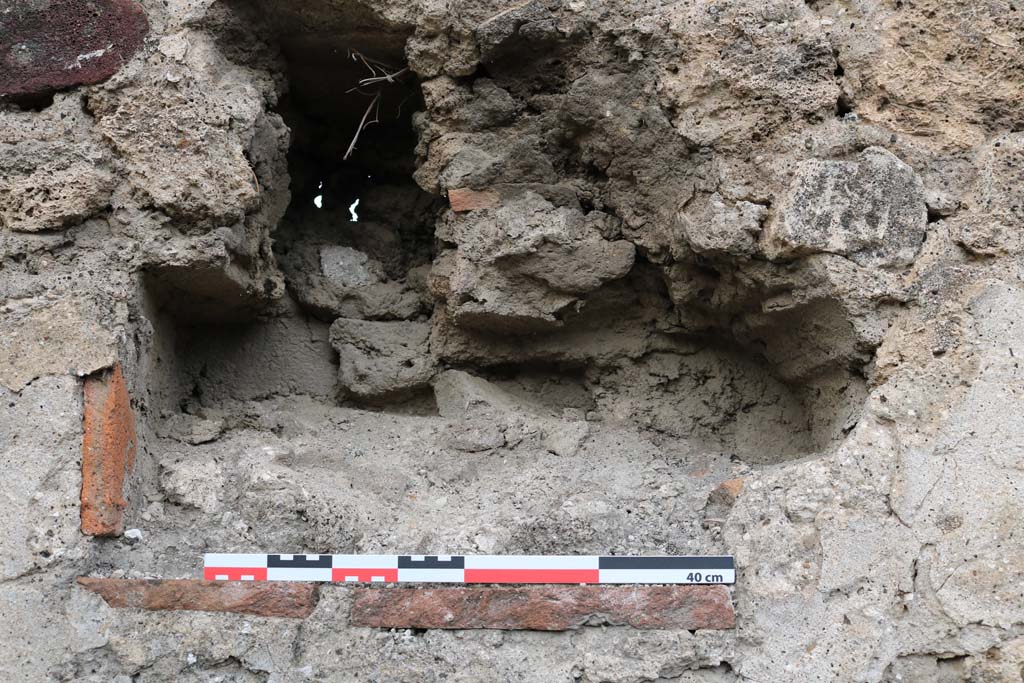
point(359, 234)
point(357, 238)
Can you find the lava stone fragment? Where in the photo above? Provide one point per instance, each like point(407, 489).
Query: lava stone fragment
point(50, 45)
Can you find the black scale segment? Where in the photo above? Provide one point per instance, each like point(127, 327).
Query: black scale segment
point(300, 562)
point(611, 562)
point(431, 562)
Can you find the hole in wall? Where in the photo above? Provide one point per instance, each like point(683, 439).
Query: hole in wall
point(34, 103)
point(356, 240)
point(199, 362)
point(358, 236)
point(767, 387)
point(844, 106)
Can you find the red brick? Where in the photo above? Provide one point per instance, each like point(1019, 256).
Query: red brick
point(108, 452)
point(47, 46)
point(264, 599)
point(470, 200)
point(544, 608)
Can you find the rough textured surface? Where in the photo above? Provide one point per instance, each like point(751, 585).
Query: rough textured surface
point(381, 359)
point(42, 336)
point(464, 199)
point(544, 608)
point(871, 210)
point(47, 45)
point(45, 184)
point(771, 241)
point(264, 599)
point(108, 452)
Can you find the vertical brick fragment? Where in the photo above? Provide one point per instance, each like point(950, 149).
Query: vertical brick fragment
point(108, 452)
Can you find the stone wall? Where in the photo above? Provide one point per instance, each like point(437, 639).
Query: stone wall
point(566, 276)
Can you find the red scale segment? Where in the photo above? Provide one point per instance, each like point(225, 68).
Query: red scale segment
point(235, 573)
point(532, 576)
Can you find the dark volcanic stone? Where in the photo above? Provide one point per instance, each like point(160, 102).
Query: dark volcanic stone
point(48, 45)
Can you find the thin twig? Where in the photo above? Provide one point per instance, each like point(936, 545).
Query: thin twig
point(381, 73)
point(368, 62)
point(389, 77)
point(255, 179)
point(402, 104)
point(375, 102)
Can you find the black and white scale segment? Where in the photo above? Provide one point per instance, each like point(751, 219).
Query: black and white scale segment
point(584, 569)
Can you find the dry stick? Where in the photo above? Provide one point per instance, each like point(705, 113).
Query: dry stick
point(390, 78)
point(362, 124)
point(402, 104)
point(255, 179)
point(357, 56)
point(368, 61)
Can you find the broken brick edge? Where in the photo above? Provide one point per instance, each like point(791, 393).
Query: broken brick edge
point(532, 608)
point(545, 608)
point(109, 441)
point(265, 599)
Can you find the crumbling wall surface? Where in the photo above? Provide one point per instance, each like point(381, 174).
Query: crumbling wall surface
point(650, 277)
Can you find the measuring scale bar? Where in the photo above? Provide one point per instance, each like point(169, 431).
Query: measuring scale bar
point(509, 569)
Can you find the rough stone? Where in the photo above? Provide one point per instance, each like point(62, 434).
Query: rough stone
point(273, 599)
point(192, 129)
point(54, 196)
point(710, 226)
point(199, 484)
point(525, 262)
point(109, 442)
point(996, 230)
point(40, 515)
point(338, 280)
point(477, 438)
point(54, 44)
point(871, 210)
point(460, 394)
point(480, 105)
point(496, 32)
point(191, 430)
point(57, 171)
point(347, 267)
point(41, 337)
point(545, 608)
point(380, 359)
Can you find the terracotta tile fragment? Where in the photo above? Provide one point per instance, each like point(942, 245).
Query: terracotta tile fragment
point(544, 608)
point(728, 491)
point(260, 598)
point(464, 199)
point(108, 452)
